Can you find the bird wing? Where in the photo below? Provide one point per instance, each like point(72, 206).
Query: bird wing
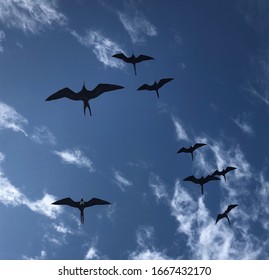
point(211, 178)
point(183, 150)
point(66, 201)
point(198, 145)
point(192, 179)
point(216, 172)
point(220, 216)
point(230, 207)
point(229, 168)
point(101, 88)
point(142, 58)
point(146, 87)
point(164, 81)
point(121, 56)
point(95, 201)
point(65, 92)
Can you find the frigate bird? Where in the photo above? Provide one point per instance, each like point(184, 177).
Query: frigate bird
point(190, 149)
point(80, 204)
point(156, 86)
point(225, 213)
point(223, 172)
point(201, 181)
point(84, 94)
point(133, 59)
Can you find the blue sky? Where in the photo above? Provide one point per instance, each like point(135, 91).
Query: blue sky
point(125, 153)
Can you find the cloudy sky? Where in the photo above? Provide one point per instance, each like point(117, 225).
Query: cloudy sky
point(125, 153)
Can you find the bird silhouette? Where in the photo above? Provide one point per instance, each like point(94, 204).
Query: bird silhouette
point(156, 86)
point(201, 181)
point(225, 213)
point(80, 204)
point(133, 59)
point(223, 172)
point(190, 149)
point(84, 94)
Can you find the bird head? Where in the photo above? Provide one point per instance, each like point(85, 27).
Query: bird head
point(83, 87)
point(81, 201)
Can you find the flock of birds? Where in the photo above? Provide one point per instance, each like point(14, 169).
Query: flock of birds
point(86, 95)
point(211, 177)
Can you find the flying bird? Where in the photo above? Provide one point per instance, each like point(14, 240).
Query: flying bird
point(223, 172)
point(133, 59)
point(225, 214)
point(84, 94)
point(80, 204)
point(190, 149)
point(201, 181)
point(156, 86)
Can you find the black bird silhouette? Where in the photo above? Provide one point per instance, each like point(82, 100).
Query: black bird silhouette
point(80, 204)
point(132, 59)
point(84, 95)
point(223, 172)
point(225, 214)
point(156, 86)
point(190, 149)
point(201, 181)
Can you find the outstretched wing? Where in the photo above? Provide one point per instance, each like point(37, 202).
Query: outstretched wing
point(121, 56)
point(220, 216)
point(183, 150)
point(143, 58)
point(198, 145)
point(65, 92)
point(229, 168)
point(211, 178)
point(95, 201)
point(101, 88)
point(230, 207)
point(146, 87)
point(164, 81)
point(192, 179)
point(66, 201)
point(216, 172)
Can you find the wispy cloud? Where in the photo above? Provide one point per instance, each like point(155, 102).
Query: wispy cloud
point(42, 256)
point(92, 254)
point(137, 26)
point(146, 250)
point(103, 47)
point(243, 124)
point(2, 38)
point(42, 135)
point(12, 196)
point(181, 134)
point(11, 119)
point(30, 16)
point(121, 181)
point(75, 157)
point(158, 187)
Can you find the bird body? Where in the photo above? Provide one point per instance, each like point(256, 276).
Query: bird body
point(84, 94)
point(223, 172)
point(81, 205)
point(190, 149)
point(156, 85)
point(225, 213)
point(133, 59)
point(201, 181)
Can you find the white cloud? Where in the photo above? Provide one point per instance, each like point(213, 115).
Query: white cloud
point(103, 47)
point(42, 135)
point(158, 187)
point(2, 38)
point(121, 181)
point(92, 254)
point(75, 157)
point(137, 26)
point(243, 124)
point(30, 16)
point(42, 256)
point(146, 249)
point(11, 119)
point(181, 134)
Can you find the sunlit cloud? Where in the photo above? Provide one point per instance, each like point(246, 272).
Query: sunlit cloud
point(30, 16)
point(11, 119)
point(181, 134)
point(242, 123)
point(92, 254)
point(137, 26)
point(158, 187)
point(121, 181)
point(42, 256)
point(103, 47)
point(42, 135)
point(75, 157)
